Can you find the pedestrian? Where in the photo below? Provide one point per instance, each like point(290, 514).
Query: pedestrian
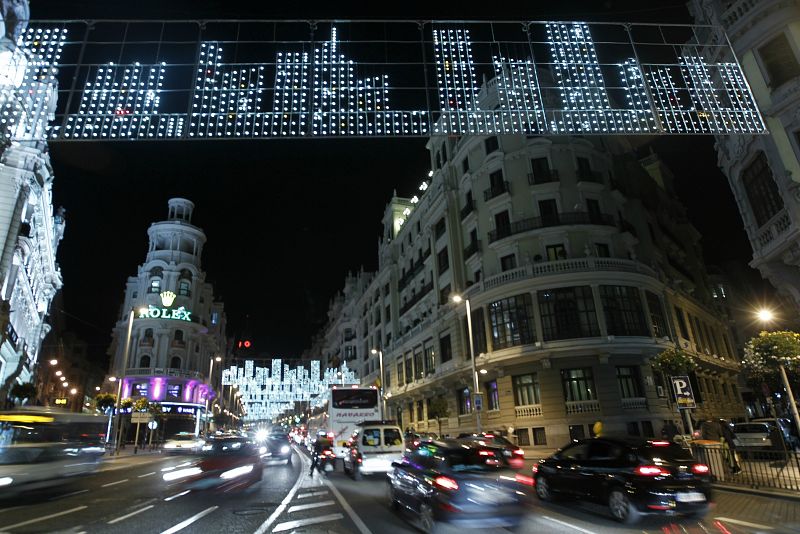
point(320, 444)
point(728, 443)
point(597, 428)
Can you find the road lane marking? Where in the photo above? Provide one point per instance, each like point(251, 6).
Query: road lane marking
point(286, 500)
point(183, 524)
point(310, 506)
point(177, 495)
point(347, 508)
point(312, 494)
point(43, 518)
point(114, 483)
point(124, 517)
point(289, 525)
point(146, 475)
point(68, 495)
point(568, 525)
point(743, 523)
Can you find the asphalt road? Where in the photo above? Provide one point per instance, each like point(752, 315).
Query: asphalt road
point(129, 495)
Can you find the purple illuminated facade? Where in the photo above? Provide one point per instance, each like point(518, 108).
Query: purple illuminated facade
point(178, 328)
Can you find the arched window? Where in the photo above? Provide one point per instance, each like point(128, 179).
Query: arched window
point(186, 274)
point(156, 274)
point(175, 362)
point(178, 335)
point(184, 288)
point(144, 361)
point(148, 334)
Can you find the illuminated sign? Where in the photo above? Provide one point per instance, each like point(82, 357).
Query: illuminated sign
point(140, 388)
point(167, 298)
point(179, 314)
point(61, 401)
point(179, 410)
point(174, 390)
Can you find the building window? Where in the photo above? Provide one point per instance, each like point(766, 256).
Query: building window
point(184, 288)
point(633, 428)
point(779, 61)
point(444, 295)
point(492, 395)
point(523, 437)
point(478, 331)
point(628, 381)
point(602, 250)
point(443, 261)
point(155, 285)
point(502, 224)
point(464, 401)
point(508, 262)
point(548, 211)
point(465, 165)
point(175, 362)
point(491, 144)
point(622, 306)
point(539, 436)
point(576, 432)
point(178, 335)
point(540, 171)
point(647, 429)
point(511, 321)
point(144, 361)
point(578, 384)
point(568, 312)
point(420, 412)
point(761, 189)
point(445, 348)
point(657, 320)
point(148, 333)
point(593, 209)
point(556, 252)
point(409, 367)
point(430, 359)
point(681, 323)
point(439, 229)
point(526, 389)
point(418, 364)
point(400, 376)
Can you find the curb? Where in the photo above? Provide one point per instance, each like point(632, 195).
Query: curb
point(794, 497)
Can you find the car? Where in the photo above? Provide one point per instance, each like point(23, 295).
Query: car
point(450, 483)
point(633, 476)
point(756, 437)
point(226, 464)
point(413, 439)
point(374, 445)
point(787, 430)
point(183, 443)
point(515, 455)
point(276, 446)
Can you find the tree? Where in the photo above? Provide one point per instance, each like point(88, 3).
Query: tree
point(673, 362)
point(141, 405)
point(438, 409)
point(23, 392)
point(126, 403)
point(105, 401)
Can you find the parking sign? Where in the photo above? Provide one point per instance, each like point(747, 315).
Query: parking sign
point(683, 392)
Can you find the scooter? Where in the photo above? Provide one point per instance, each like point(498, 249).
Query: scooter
point(326, 460)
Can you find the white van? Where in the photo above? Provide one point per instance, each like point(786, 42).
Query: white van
point(373, 447)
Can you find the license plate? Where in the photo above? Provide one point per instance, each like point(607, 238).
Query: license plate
point(690, 496)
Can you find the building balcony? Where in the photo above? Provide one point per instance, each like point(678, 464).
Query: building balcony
point(585, 175)
point(472, 248)
point(560, 219)
point(178, 344)
point(529, 410)
point(496, 190)
point(634, 403)
point(163, 371)
point(427, 288)
point(414, 271)
point(146, 342)
point(543, 177)
point(468, 208)
point(767, 235)
point(588, 406)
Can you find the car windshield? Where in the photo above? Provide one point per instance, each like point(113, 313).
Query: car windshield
point(475, 460)
point(751, 428)
point(183, 437)
point(671, 452)
point(278, 436)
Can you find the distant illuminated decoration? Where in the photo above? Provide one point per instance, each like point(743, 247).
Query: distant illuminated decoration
point(268, 392)
point(222, 79)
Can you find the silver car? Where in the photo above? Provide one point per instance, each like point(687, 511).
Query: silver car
point(753, 436)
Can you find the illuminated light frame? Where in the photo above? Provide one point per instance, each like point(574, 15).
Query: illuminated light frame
point(319, 89)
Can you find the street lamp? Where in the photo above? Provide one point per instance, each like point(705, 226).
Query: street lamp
point(119, 388)
point(766, 316)
point(476, 388)
point(54, 362)
point(383, 399)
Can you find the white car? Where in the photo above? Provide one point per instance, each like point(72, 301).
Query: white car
point(373, 448)
point(184, 443)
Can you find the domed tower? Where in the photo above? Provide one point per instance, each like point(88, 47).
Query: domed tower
point(177, 331)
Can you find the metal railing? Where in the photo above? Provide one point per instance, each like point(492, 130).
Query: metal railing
point(542, 177)
point(496, 190)
point(776, 469)
point(557, 219)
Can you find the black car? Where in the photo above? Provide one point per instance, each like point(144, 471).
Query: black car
point(515, 455)
point(443, 482)
point(277, 447)
point(633, 476)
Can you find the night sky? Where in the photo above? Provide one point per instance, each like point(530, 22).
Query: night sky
point(287, 220)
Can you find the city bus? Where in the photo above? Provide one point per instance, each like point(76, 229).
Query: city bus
point(346, 407)
point(40, 446)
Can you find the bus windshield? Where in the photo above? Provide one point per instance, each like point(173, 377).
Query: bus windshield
point(354, 399)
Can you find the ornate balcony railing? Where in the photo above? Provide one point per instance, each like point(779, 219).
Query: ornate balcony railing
point(530, 410)
point(427, 288)
point(496, 190)
point(588, 406)
point(560, 219)
point(634, 403)
point(585, 175)
point(163, 371)
point(543, 177)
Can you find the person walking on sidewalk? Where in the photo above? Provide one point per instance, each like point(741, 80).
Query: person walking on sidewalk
point(729, 446)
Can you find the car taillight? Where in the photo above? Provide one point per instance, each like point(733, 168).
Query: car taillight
point(519, 452)
point(486, 453)
point(650, 471)
point(700, 469)
point(535, 469)
point(522, 479)
point(660, 443)
point(446, 483)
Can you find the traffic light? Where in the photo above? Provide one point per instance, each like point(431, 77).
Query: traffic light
point(244, 344)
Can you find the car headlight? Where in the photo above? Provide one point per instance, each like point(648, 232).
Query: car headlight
point(5, 481)
point(182, 473)
point(237, 472)
point(262, 450)
point(285, 449)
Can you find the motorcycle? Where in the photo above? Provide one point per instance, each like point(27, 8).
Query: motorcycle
point(326, 460)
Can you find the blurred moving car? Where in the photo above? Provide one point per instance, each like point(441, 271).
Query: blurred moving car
point(373, 447)
point(184, 443)
point(276, 446)
point(448, 482)
point(226, 464)
point(515, 455)
point(633, 476)
point(413, 439)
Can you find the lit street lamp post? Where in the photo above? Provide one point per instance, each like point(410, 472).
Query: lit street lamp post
point(476, 387)
point(117, 418)
point(380, 390)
